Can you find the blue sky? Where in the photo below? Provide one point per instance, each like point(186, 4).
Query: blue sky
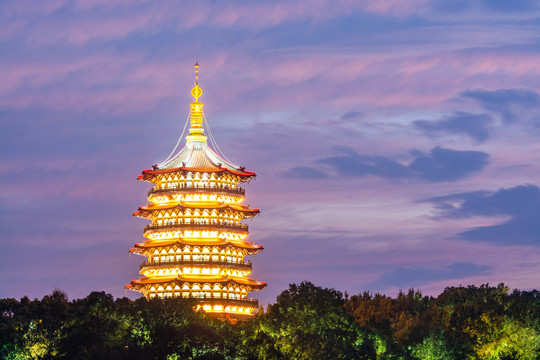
point(395, 142)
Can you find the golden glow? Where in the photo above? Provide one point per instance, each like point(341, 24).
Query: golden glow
point(198, 199)
point(196, 242)
point(196, 133)
point(196, 91)
point(236, 238)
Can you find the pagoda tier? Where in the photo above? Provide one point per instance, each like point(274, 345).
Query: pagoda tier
point(196, 245)
point(177, 244)
point(217, 295)
point(150, 174)
point(193, 210)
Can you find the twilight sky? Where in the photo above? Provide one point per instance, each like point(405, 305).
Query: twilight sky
point(396, 142)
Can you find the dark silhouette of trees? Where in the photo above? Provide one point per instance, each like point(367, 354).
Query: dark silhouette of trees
point(461, 323)
point(306, 322)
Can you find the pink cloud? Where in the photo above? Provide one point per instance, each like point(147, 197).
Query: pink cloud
point(345, 79)
point(25, 7)
point(123, 18)
point(394, 7)
point(83, 26)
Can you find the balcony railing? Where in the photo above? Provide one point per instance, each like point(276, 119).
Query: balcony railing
point(204, 189)
point(237, 302)
point(245, 265)
point(195, 226)
point(213, 300)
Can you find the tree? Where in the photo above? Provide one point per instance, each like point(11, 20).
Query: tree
point(308, 322)
point(433, 347)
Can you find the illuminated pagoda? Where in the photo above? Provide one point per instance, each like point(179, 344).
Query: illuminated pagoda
point(196, 242)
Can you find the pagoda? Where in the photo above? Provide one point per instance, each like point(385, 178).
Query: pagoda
point(195, 245)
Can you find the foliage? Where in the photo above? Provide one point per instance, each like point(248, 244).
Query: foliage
point(461, 323)
point(432, 347)
point(306, 322)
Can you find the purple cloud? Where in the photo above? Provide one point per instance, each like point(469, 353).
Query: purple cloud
point(476, 126)
point(447, 165)
point(304, 172)
point(506, 102)
point(93, 91)
point(405, 278)
point(496, 6)
point(438, 165)
point(521, 204)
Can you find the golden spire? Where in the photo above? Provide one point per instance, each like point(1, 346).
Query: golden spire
point(196, 132)
point(196, 91)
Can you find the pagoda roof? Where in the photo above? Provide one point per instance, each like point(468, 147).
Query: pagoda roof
point(143, 210)
point(197, 278)
point(164, 243)
point(196, 157)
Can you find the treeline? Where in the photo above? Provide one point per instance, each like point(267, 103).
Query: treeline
point(306, 322)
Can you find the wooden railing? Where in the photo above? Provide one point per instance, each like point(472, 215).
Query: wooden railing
point(250, 302)
point(245, 265)
point(194, 226)
point(199, 189)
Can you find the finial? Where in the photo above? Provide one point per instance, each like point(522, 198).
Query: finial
point(196, 91)
point(196, 131)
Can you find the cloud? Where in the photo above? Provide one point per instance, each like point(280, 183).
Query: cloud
point(125, 77)
point(505, 7)
point(353, 164)
point(352, 115)
point(475, 126)
point(80, 23)
point(93, 91)
point(438, 165)
point(414, 277)
point(520, 203)
point(486, 8)
point(303, 172)
point(448, 165)
point(509, 103)
point(510, 6)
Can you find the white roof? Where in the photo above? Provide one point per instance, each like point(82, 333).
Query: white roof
point(198, 156)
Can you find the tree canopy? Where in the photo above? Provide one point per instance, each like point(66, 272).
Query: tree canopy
point(305, 322)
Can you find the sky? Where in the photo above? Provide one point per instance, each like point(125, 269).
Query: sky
point(396, 143)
